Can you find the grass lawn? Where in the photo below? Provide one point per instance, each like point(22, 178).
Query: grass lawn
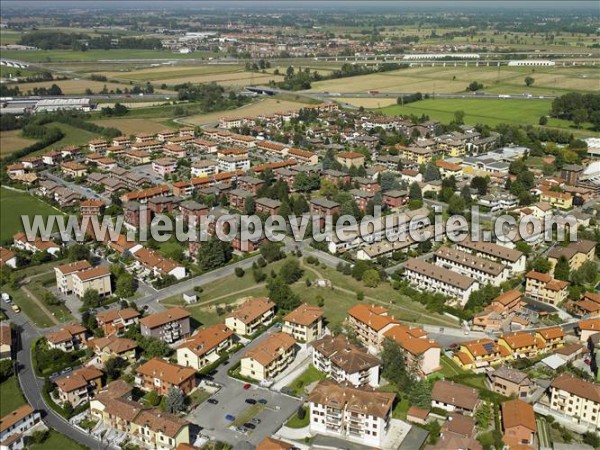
point(14, 204)
point(309, 376)
point(401, 409)
point(57, 441)
point(485, 111)
point(92, 55)
point(11, 141)
point(449, 367)
point(248, 414)
point(133, 126)
point(11, 396)
point(73, 136)
point(296, 422)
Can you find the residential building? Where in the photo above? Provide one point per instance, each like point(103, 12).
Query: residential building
point(6, 341)
point(270, 443)
point(305, 323)
point(250, 184)
point(453, 397)
point(395, 198)
point(458, 432)
point(136, 215)
point(8, 258)
point(421, 355)
point(168, 326)
point(560, 200)
point(237, 198)
point(205, 168)
point(589, 305)
point(164, 166)
point(270, 358)
point(78, 386)
point(252, 315)
point(481, 269)
point(509, 382)
point(205, 347)
point(323, 207)
point(73, 169)
point(16, 424)
point(155, 429)
point(91, 207)
point(370, 322)
point(433, 278)
point(154, 264)
point(550, 339)
point(68, 338)
point(64, 274)
point(21, 242)
point(498, 202)
point(97, 278)
point(344, 362)
point(513, 259)
point(519, 344)
point(361, 415)
point(588, 328)
point(349, 159)
point(267, 206)
point(577, 399)
point(542, 287)
point(160, 375)
point(449, 169)
point(478, 354)
point(109, 347)
point(117, 320)
point(192, 212)
point(576, 254)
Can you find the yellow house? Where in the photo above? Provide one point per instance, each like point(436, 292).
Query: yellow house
point(349, 159)
point(421, 155)
point(97, 278)
point(519, 345)
point(305, 323)
point(557, 199)
point(550, 338)
point(544, 288)
point(480, 353)
point(576, 253)
point(272, 357)
point(113, 347)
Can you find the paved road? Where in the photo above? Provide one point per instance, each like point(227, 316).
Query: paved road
point(83, 191)
point(32, 386)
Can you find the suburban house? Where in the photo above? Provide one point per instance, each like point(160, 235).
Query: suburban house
point(518, 423)
point(576, 254)
point(349, 159)
point(205, 347)
point(344, 362)
point(370, 322)
point(421, 355)
point(109, 347)
point(542, 287)
point(513, 259)
point(168, 326)
point(64, 274)
point(6, 341)
point(453, 397)
point(305, 323)
point(252, 315)
point(16, 424)
point(8, 258)
point(78, 386)
point(117, 320)
point(475, 355)
point(97, 278)
point(509, 382)
point(361, 415)
point(272, 357)
point(21, 242)
point(576, 398)
point(588, 328)
point(68, 338)
point(160, 375)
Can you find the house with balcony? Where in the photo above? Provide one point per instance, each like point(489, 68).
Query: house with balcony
point(69, 338)
point(350, 159)
point(117, 321)
point(481, 269)
point(550, 339)
point(513, 259)
point(96, 278)
point(370, 322)
point(270, 358)
point(78, 386)
point(110, 347)
point(160, 375)
point(454, 397)
point(250, 316)
point(169, 326)
point(544, 288)
point(509, 382)
point(344, 362)
point(421, 355)
point(520, 345)
point(576, 254)
point(164, 166)
point(361, 415)
point(205, 347)
point(16, 425)
point(478, 354)
point(64, 274)
point(577, 399)
point(305, 323)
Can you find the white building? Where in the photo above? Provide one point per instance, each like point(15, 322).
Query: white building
point(481, 269)
point(576, 398)
point(513, 259)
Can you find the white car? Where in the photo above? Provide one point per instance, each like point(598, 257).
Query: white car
point(5, 297)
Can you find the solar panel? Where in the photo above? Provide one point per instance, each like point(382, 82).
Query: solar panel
point(489, 347)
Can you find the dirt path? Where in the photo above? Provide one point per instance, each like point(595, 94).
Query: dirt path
point(373, 299)
point(208, 302)
point(40, 304)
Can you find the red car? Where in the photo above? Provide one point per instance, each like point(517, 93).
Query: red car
point(247, 386)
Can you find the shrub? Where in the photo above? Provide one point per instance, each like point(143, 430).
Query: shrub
point(239, 272)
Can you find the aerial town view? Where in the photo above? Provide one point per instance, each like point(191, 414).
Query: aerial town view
point(280, 225)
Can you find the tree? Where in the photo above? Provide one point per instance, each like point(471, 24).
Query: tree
point(371, 278)
point(290, 271)
point(388, 182)
point(270, 251)
point(281, 293)
point(465, 193)
point(459, 117)
point(6, 369)
point(529, 81)
point(474, 86)
point(540, 264)
point(249, 206)
point(174, 400)
point(301, 413)
point(394, 368)
point(214, 254)
point(484, 415)
point(456, 205)
point(152, 398)
point(91, 298)
point(126, 285)
point(431, 173)
point(579, 116)
point(481, 184)
point(420, 394)
point(592, 439)
point(78, 252)
point(113, 367)
point(543, 120)
point(562, 269)
point(239, 272)
point(414, 192)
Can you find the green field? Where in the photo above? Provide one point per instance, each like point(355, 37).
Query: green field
point(14, 204)
point(485, 111)
point(92, 55)
point(11, 396)
point(57, 441)
point(73, 136)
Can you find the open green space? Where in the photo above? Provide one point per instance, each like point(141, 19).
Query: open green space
point(449, 367)
point(248, 414)
point(72, 136)
point(296, 422)
point(57, 441)
point(307, 377)
point(13, 205)
point(10, 396)
point(92, 55)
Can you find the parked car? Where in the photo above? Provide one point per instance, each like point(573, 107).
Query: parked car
point(229, 418)
point(255, 421)
point(15, 308)
point(262, 401)
point(250, 401)
point(247, 386)
point(5, 297)
point(213, 401)
point(250, 426)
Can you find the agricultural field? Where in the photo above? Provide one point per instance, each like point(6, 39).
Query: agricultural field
point(170, 72)
point(48, 56)
point(73, 136)
point(367, 102)
point(265, 106)
point(78, 86)
point(454, 79)
point(486, 111)
point(133, 126)
point(11, 141)
point(14, 204)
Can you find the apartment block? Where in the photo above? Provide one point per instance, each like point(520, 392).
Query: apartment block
point(68, 338)
point(253, 314)
point(305, 323)
point(576, 254)
point(421, 355)
point(64, 275)
point(168, 326)
point(542, 287)
point(272, 357)
point(370, 322)
point(433, 278)
point(160, 375)
point(509, 382)
point(117, 320)
point(97, 278)
point(513, 259)
point(344, 362)
point(360, 415)
point(79, 386)
point(205, 347)
point(481, 269)
point(16, 424)
point(577, 399)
